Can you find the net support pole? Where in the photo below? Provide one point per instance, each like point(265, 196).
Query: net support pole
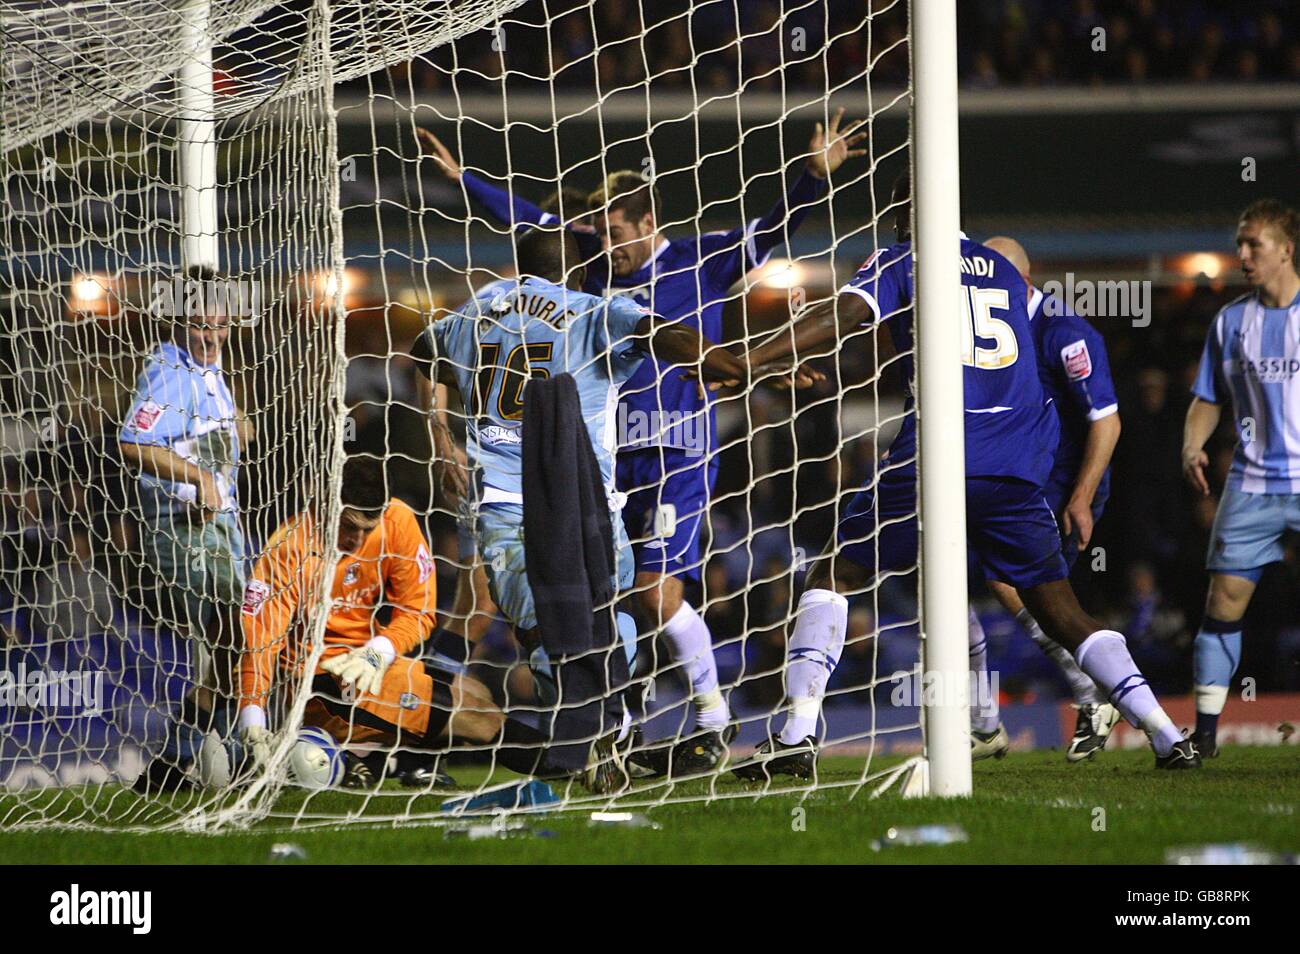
point(940, 405)
point(196, 159)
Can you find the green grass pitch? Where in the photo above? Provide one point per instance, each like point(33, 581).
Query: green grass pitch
point(1030, 808)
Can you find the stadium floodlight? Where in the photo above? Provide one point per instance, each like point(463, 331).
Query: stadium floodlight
point(89, 291)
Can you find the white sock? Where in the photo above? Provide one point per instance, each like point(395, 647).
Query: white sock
point(691, 644)
point(983, 700)
point(1104, 656)
point(1083, 689)
point(813, 654)
point(1210, 699)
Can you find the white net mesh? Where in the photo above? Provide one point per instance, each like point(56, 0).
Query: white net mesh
point(67, 62)
point(344, 243)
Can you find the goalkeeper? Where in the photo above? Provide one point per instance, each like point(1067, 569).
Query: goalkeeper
point(365, 689)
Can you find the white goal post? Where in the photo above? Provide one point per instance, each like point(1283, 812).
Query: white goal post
point(196, 140)
point(940, 409)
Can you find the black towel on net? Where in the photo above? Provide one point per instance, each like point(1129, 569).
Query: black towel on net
point(569, 555)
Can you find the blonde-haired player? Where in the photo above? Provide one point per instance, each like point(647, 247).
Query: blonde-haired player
point(1248, 361)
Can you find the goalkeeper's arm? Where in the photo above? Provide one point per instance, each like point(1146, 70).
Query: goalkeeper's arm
point(271, 603)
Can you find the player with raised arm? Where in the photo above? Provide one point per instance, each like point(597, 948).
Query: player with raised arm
point(1075, 373)
point(667, 456)
point(1011, 436)
point(1250, 358)
point(539, 325)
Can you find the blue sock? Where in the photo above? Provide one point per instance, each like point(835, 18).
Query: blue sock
point(222, 718)
point(190, 725)
point(183, 736)
point(1216, 655)
point(627, 633)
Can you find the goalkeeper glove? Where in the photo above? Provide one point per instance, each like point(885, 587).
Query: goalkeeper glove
point(363, 667)
point(258, 741)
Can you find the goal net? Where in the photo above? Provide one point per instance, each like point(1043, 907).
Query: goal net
point(224, 233)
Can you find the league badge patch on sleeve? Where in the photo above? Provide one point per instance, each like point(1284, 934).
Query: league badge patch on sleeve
point(146, 417)
point(255, 595)
point(425, 562)
point(1077, 360)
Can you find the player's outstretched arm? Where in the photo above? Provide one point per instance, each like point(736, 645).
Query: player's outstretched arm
point(1103, 435)
point(678, 343)
point(433, 147)
point(1202, 421)
point(500, 204)
point(828, 149)
point(817, 327)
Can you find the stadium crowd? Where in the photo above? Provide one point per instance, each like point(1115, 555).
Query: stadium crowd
point(1006, 43)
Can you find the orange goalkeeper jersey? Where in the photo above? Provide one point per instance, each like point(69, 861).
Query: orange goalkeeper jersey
point(393, 567)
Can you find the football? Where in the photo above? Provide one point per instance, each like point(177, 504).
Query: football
point(316, 761)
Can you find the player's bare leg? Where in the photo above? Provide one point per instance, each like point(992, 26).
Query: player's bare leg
point(1096, 716)
point(1104, 656)
point(475, 718)
point(1218, 653)
point(472, 610)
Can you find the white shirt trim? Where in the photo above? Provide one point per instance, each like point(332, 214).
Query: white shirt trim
point(1035, 302)
point(659, 250)
point(865, 296)
point(497, 495)
point(617, 500)
point(751, 246)
point(1098, 413)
